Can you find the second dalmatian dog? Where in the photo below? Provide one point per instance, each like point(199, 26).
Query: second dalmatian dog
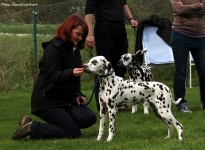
point(116, 92)
point(136, 72)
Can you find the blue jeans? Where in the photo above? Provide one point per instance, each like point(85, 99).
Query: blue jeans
point(181, 58)
point(62, 122)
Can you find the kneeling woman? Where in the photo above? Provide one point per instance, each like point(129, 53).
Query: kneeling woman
point(54, 97)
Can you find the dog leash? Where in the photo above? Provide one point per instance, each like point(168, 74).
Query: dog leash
point(96, 81)
point(78, 94)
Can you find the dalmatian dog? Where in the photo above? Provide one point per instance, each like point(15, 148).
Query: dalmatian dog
point(116, 92)
point(136, 72)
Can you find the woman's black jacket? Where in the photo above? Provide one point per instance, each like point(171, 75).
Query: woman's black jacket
point(56, 83)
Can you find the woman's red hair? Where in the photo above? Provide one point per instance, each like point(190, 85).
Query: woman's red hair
point(64, 30)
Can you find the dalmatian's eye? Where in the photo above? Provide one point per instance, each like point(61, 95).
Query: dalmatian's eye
point(94, 62)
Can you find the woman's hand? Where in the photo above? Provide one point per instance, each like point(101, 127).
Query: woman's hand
point(81, 100)
point(78, 72)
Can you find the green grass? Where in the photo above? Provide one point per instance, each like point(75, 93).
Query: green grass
point(133, 131)
point(18, 28)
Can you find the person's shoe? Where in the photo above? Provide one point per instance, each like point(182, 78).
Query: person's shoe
point(22, 131)
point(24, 120)
point(185, 110)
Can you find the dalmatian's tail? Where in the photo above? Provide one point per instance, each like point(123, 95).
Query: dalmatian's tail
point(177, 102)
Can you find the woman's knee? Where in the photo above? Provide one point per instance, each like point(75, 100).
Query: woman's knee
point(89, 120)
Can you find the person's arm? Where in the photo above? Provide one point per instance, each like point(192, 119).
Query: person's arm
point(127, 12)
point(129, 16)
point(90, 40)
point(53, 57)
point(90, 6)
point(89, 20)
point(181, 9)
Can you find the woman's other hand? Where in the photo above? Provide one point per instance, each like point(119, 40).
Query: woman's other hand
point(81, 100)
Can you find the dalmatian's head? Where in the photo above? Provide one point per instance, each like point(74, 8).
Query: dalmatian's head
point(126, 60)
point(129, 60)
point(98, 65)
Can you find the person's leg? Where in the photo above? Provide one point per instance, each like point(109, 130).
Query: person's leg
point(104, 44)
point(60, 124)
point(120, 48)
point(180, 58)
point(104, 40)
point(199, 56)
point(83, 116)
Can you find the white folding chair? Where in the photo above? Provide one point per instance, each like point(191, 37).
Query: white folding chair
point(191, 62)
point(158, 52)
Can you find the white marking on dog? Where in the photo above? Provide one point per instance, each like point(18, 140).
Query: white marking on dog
point(116, 92)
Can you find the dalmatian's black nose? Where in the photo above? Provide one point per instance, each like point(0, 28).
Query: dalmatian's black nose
point(119, 63)
point(86, 70)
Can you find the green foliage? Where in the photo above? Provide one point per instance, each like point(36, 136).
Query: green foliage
point(17, 42)
point(17, 56)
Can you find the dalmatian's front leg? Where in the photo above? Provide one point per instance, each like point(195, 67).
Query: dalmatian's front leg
point(103, 113)
point(112, 116)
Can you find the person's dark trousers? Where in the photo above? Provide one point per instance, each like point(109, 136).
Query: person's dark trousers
point(62, 122)
point(181, 58)
point(111, 42)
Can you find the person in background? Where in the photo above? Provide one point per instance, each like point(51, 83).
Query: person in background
point(109, 35)
point(188, 35)
point(57, 98)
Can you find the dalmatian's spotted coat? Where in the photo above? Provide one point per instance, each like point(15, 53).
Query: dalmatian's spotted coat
point(116, 92)
point(136, 72)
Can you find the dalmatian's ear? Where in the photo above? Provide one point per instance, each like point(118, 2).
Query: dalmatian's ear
point(137, 52)
point(135, 58)
point(143, 51)
point(107, 67)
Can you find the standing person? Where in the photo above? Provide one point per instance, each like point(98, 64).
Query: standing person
point(56, 96)
point(109, 36)
point(188, 35)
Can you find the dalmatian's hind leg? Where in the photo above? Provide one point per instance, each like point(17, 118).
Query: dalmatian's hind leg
point(159, 114)
point(146, 107)
point(171, 122)
point(134, 109)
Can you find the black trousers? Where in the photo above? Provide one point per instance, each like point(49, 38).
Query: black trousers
point(111, 42)
point(62, 122)
point(181, 58)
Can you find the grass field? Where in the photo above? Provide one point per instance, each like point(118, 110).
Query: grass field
point(133, 131)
